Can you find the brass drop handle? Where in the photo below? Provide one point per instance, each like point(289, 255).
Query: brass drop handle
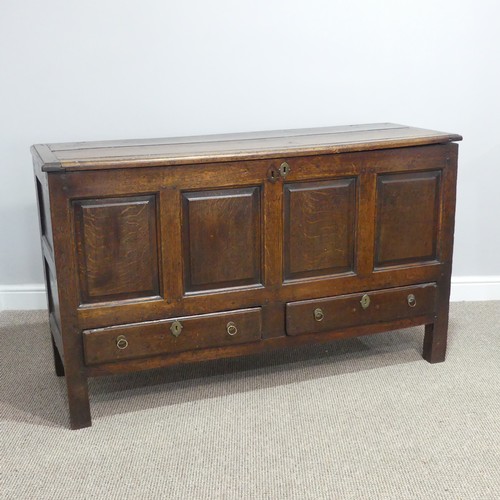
point(121, 342)
point(318, 314)
point(231, 328)
point(412, 301)
point(176, 328)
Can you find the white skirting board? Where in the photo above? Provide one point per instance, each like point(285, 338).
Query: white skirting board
point(474, 288)
point(22, 297)
point(463, 288)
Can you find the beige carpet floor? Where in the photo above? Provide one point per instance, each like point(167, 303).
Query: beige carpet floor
point(357, 419)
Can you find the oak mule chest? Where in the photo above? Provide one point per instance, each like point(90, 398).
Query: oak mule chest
point(180, 250)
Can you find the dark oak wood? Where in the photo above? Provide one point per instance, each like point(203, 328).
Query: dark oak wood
point(45, 227)
point(436, 333)
point(222, 238)
point(234, 351)
point(229, 147)
point(64, 258)
point(116, 242)
point(58, 362)
point(346, 310)
point(319, 228)
point(137, 235)
point(155, 337)
point(44, 211)
point(117, 313)
point(408, 207)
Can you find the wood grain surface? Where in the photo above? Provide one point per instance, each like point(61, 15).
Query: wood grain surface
point(117, 248)
point(153, 338)
point(228, 147)
point(319, 227)
point(408, 217)
point(138, 234)
point(222, 238)
point(345, 311)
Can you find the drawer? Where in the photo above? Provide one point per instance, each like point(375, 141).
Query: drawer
point(333, 313)
point(174, 335)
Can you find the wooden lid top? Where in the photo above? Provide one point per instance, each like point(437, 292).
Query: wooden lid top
point(226, 147)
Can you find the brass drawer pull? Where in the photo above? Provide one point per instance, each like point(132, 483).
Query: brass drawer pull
point(365, 301)
point(121, 342)
point(412, 301)
point(231, 328)
point(176, 328)
point(318, 314)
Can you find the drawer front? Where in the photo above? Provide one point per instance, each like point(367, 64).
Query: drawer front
point(333, 313)
point(174, 335)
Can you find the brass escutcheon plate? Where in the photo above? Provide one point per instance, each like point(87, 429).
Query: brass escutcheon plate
point(365, 301)
point(176, 328)
point(284, 169)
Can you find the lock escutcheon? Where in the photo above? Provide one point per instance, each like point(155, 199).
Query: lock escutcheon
point(284, 169)
point(176, 328)
point(365, 301)
point(273, 174)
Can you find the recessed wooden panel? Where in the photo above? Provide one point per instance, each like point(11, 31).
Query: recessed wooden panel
point(319, 228)
point(117, 248)
point(408, 208)
point(52, 294)
point(221, 238)
point(44, 212)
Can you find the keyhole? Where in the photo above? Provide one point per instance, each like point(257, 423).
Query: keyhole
point(284, 169)
point(272, 175)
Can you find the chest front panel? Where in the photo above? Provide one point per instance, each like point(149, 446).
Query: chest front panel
point(154, 243)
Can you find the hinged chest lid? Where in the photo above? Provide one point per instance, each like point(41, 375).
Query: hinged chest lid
point(79, 156)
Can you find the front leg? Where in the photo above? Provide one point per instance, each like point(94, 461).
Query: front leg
point(78, 399)
point(435, 340)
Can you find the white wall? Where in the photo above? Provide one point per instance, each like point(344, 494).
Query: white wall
point(113, 69)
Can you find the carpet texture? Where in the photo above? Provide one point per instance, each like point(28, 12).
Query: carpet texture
point(354, 419)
